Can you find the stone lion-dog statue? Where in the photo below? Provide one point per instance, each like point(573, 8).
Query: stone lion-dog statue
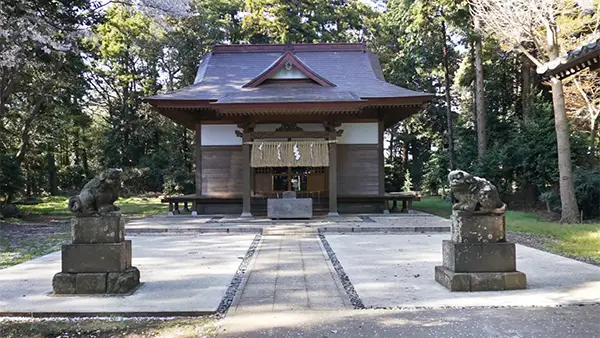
point(474, 194)
point(98, 195)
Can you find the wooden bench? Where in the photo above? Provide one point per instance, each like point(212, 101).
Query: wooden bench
point(406, 198)
point(190, 201)
point(186, 200)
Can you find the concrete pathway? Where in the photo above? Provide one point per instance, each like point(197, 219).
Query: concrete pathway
point(290, 272)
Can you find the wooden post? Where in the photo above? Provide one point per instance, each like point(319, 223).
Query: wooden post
point(246, 175)
point(198, 167)
point(333, 207)
point(381, 165)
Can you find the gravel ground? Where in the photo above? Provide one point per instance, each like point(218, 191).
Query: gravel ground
point(237, 279)
point(350, 291)
point(542, 242)
point(105, 327)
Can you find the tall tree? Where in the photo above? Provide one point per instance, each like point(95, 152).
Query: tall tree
point(309, 21)
point(479, 91)
point(517, 22)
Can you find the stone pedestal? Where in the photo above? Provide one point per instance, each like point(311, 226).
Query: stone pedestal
point(289, 207)
point(478, 258)
point(99, 259)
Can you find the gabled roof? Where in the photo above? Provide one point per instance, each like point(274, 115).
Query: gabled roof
point(574, 61)
point(284, 61)
point(237, 74)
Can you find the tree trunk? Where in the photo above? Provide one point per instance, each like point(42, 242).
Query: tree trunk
point(448, 100)
point(570, 210)
point(568, 201)
point(479, 99)
point(52, 180)
point(593, 133)
point(526, 85)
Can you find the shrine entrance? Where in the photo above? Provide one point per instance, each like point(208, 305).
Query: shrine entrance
point(305, 181)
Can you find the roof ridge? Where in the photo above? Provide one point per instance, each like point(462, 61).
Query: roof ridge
point(300, 47)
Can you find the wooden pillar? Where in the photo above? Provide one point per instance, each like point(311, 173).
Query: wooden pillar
point(381, 159)
point(246, 175)
point(333, 207)
point(381, 165)
point(198, 167)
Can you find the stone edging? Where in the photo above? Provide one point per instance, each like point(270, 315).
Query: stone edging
point(350, 291)
point(238, 277)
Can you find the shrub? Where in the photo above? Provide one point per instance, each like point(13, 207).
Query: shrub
point(11, 180)
point(587, 192)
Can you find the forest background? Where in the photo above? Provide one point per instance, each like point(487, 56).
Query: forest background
point(74, 73)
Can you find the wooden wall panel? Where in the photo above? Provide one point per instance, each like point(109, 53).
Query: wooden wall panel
point(222, 170)
point(358, 169)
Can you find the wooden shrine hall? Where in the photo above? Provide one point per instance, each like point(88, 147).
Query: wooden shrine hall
point(308, 118)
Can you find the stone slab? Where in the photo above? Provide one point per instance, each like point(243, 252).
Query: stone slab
point(233, 223)
point(289, 208)
point(470, 228)
point(289, 194)
point(398, 270)
point(122, 282)
point(90, 283)
point(64, 283)
point(98, 229)
point(479, 257)
point(106, 257)
point(182, 275)
point(480, 281)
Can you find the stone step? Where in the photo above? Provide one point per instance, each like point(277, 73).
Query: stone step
point(290, 230)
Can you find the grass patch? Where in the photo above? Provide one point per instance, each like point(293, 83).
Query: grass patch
point(581, 240)
point(45, 227)
point(110, 327)
point(132, 206)
point(23, 245)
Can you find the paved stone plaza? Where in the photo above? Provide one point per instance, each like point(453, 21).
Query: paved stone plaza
point(373, 277)
point(398, 271)
point(180, 274)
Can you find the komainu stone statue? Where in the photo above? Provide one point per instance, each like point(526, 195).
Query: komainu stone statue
point(477, 256)
point(98, 195)
point(474, 194)
point(98, 259)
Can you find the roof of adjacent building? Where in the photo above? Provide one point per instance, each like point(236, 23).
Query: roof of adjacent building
point(241, 74)
point(574, 61)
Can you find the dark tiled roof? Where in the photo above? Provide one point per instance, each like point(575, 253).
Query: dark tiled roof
point(354, 71)
point(573, 61)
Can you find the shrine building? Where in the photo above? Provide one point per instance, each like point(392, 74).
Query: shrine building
point(308, 118)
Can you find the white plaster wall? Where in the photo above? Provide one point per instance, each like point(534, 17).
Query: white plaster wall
point(293, 73)
point(359, 133)
point(220, 135)
point(354, 133)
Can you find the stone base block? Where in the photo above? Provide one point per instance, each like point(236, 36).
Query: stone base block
point(87, 283)
point(64, 283)
point(474, 228)
point(90, 282)
point(289, 208)
point(107, 257)
point(479, 257)
point(480, 281)
point(122, 282)
point(97, 229)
